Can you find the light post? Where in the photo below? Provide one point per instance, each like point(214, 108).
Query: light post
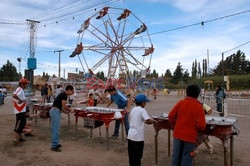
point(19, 67)
point(222, 68)
point(59, 63)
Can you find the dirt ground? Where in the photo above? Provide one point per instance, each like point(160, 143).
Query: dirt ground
point(81, 150)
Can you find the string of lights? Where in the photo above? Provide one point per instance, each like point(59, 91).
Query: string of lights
point(12, 22)
point(61, 8)
point(237, 47)
point(200, 23)
point(76, 13)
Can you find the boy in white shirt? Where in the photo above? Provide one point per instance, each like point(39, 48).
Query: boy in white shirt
point(138, 116)
point(20, 111)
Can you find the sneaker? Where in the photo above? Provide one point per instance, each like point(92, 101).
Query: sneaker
point(58, 146)
point(56, 149)
point(17, 143)
point(22, 139)
point(114, 136)
point(221, 114)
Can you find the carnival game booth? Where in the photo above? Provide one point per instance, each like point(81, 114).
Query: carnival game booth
point(43, 109)
point(224, 128)
point(95, 117)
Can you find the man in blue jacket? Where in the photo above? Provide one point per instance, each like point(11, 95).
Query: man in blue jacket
point(122, 102)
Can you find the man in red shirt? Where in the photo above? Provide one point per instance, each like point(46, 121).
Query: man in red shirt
point(187, 118)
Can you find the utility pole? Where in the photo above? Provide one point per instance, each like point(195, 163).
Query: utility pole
point(19, 67)
point(32, 46)
point(59, 63)
point(222, 68)
point(207, 61)
point(64, 73)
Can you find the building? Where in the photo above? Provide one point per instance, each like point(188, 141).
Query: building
point(75, 77)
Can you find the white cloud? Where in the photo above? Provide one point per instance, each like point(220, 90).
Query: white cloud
point(170, 48)
point(186, 51)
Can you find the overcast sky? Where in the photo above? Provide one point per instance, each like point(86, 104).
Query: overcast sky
point(183, 45)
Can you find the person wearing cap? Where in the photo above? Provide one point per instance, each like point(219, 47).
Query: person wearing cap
point(187, 118)
point(20, 111)
point(137, 117)
point(122, 102)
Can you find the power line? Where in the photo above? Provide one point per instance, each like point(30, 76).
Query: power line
point(75, 11)
point(200, 23)
point(80, 12)
point(237, 47)
point(9, 22)
point(55, 10)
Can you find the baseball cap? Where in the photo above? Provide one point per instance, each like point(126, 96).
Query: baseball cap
point(141, 98)
point(24, 81)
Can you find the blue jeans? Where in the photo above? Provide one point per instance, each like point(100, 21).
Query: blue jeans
point(55, 116)
point(182, 153)
point(117, 125)
point(219, 107)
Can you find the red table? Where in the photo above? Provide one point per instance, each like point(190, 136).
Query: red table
point(99, 116)
point(45, 108)
point(220, 127)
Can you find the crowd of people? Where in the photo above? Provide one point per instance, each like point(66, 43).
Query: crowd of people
point(187, 118)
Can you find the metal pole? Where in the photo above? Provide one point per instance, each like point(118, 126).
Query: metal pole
point(32, 44)
point(19, 67)
point(59, 62)
point(222, 69)
point(207, 62)
point(59, 67)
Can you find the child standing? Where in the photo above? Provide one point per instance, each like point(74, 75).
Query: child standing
point(187, 117)
point(138, 116)
point(90, 100)
point(28, 127)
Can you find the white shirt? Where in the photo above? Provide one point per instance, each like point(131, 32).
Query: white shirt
point(137, 117)
point(4, 90)
point(18, 108)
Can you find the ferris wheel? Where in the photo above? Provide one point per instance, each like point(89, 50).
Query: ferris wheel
point(115, 42)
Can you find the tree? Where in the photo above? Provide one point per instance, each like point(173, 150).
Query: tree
point(168, 74)
point(234, 64)
point(154, 74)
point(199, 70)
point(204, 67)
point(8, 72)
point(100, 75)
point(43, 74)
point(178, 74)
point(194, 69)
point(186, 76)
